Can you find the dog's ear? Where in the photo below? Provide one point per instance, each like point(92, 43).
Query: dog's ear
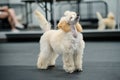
point(64, 26)
point(79, 27)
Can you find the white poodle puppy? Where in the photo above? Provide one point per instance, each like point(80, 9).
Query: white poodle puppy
point(67, 40)
point(108, 22)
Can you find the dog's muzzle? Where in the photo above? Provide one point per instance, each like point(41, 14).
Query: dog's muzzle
point(78, 17)
point(73, 27)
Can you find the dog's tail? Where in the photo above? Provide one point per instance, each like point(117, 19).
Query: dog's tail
point(44, 24)
point(99, 16)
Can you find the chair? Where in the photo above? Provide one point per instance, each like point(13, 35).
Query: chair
point(4, 24)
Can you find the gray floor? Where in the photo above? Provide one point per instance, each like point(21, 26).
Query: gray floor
point(18, 62)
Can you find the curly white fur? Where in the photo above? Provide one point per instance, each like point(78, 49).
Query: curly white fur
point(55, 42)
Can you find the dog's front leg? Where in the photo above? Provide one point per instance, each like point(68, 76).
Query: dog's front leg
point(68, 62)
point(78, 60)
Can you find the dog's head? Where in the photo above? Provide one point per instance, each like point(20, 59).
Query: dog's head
point(111, 15)
point(70, 19)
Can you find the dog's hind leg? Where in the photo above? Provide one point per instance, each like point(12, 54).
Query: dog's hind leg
point(53, 58)
point(43, 60)
point(101, 26)
point(44, 57)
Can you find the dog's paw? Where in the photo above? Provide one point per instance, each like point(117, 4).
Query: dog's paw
point(69, 69)
point(42, 66)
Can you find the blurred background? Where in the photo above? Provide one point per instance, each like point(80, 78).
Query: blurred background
point(53, 10)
